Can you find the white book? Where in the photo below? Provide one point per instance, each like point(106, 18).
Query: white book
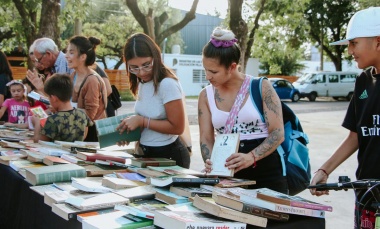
point(89, 186)
point(104, 200)
point(225, 145)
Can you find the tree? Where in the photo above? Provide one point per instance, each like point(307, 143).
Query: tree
point(327, 21)
point(152, 25)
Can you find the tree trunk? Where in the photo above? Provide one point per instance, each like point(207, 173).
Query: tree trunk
point(49, 20)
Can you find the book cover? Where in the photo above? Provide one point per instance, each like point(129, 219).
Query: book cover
point(117, 219)
point(40, 113)
point(180, 180)
point(185, 220)
point(86, 215)
point(250, 197)
point(52, 160)
point(230, 182)
point(59, 196)
point(94, 170)
point(227, 213)
point(98, 156)
point(120, 183)
point(89, 186)
point(144, 162)
point(104, 200)
point(71, 158)
point(176, 170)
point(226, 200)
point(53, 173)
point(224, 146)
point(67, 212)
point(131, 176)
point(190, 191)
point(294, 201)
point(108, 135)
point(139, 193)
point(170, 197)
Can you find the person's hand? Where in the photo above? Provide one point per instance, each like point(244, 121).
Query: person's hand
point(208, 166)
point(129, 123)
point(239, 161)
point(122, 143)
point(319, 178)
point(35, 79)
point(9, 124)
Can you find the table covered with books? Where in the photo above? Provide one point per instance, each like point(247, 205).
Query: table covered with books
point(106, 189)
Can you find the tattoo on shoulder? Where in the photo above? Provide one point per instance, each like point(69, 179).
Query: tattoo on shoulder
point(266, 118)
point(268, 100)
point(205, 151)
point(217, 96)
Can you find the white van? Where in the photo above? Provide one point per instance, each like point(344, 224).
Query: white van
point(326, 84)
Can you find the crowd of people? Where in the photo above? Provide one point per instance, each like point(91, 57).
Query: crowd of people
point(78, 89)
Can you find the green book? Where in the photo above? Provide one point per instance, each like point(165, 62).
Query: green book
point(54, 173)
point(109, 136)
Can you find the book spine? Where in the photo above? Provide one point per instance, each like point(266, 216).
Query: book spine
point(49, 178)
point(253, 210)
point(299, 211)
point(201, 194)
point(142, 197)
point(196, 180)
point(310, 206)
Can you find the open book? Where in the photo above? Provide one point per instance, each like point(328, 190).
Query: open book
point(108, 135)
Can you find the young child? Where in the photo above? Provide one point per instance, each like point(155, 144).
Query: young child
point(17, 106)
point(68, 123)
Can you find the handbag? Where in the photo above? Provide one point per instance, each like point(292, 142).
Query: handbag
point(114, 98)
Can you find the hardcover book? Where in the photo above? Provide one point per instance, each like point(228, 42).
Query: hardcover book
point(108, 135)
point(227, 213)
point(144, 162)
point(185, 220)
point(98, 156)
point(234, 203)
point(294, 201)
point(54, 173)
point(250, 197)
point(190, 191)
point(225, 145)
point(117, 219)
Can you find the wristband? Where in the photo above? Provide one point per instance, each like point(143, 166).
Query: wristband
point(254, 159)
point(324, 171)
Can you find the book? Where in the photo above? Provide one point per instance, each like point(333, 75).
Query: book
point(5, 160)
point(138, 193)
point(68, 212)
point(176, 170)
point(224, 146)
point(104, 200)
point(108, 135)
point(86, 215)
point(180, 180)
point(71, 158)
point(59, 196)
point(34, 156)
point(144, 162)
point(294, 201)
point(230, 182)
point(250, 197)
point(185, 220)
point(143, 208)
point(54, 173)
point(169, 197)
point(146, 172)
point(130, 176)
point(190, 191)
point(117, 219)
point(52, 160)
point(23, 164)
point(89, 186)
point(39, 97)
point(39, 112)
point(234, 203)
point(228, 213)
point(42, 189)
point(98, 156)
point(93, 170)
point(119, 183)
point(183, 207)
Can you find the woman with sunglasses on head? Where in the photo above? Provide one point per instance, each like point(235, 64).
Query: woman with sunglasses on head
point(159, 105)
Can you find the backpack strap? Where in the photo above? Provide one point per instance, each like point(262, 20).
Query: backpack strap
point(257, 100)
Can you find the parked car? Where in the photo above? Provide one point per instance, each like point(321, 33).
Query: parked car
point(285, 89)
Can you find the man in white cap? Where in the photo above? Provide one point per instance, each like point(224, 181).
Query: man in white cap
point(363, 115)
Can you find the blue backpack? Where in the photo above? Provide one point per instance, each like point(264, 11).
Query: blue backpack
point(293, 151)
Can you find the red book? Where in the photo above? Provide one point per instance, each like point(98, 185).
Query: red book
point(97, 156)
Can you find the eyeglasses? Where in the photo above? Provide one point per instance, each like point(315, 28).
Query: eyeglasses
point(145, 68)
point(38, 60)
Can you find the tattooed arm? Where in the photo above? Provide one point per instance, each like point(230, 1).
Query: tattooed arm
point(273, 118)
point(206, 130)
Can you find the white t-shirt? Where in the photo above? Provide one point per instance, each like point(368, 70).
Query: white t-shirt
point(151, 105)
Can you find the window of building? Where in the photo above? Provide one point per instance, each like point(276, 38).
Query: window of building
point(199, 76)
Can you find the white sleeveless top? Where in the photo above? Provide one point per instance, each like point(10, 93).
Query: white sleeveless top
point(248, 124)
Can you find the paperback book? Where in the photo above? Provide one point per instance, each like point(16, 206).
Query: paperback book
point(117, 219)
point(144, 162)
point(190, 191)
point(105, 200)
point(119, 183)
point(176, 170)
point(108, 135)
point(139, 193)
point(169, 197)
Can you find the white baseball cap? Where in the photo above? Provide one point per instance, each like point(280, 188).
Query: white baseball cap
point(364, 23)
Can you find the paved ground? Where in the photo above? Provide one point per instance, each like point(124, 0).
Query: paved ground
point(325, 133)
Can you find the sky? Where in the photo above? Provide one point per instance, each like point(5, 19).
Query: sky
point(204, 6)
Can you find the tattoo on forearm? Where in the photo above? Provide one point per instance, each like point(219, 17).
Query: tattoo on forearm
point(269, 143)
point(268, 100)
point(266, 118)
point(217, 96)
point(205, 151)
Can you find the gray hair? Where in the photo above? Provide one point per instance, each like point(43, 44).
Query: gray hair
point(31, 49)
point(45, 44)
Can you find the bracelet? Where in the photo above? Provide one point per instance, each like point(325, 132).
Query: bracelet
point(254, 159)
point(324, 171)
point(147, 126)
